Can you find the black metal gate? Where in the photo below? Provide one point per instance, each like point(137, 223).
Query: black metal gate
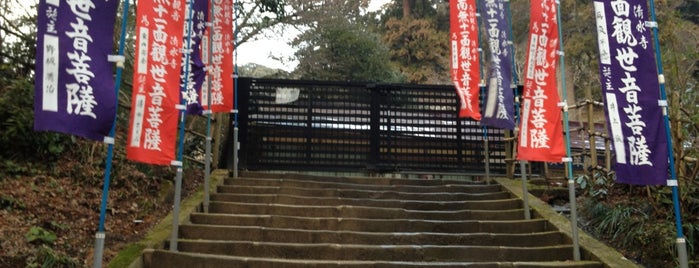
point(339, 126)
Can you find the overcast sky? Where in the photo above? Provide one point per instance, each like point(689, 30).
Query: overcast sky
point(261, 52)
point(264, 51)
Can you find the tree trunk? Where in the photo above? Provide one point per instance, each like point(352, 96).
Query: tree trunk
point(406, 9)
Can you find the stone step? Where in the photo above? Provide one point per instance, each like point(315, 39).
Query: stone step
point(373, 225)
point(361, 180)
point(447, 188)
point(496, 204)
point(310, 236)
point(347, 211)
point(407, 253)
point(354, 193)
point(163, 258)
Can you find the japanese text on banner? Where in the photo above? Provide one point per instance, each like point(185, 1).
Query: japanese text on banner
point(156, 81)
point(74, 88)
point(631, 92)
point(465, 70)
point(221, 66)
point(541, 128)
point(498, 106)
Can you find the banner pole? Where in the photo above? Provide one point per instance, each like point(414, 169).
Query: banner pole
point(568, 161)
point(180, 150)
point(207, 164)
point(482, 85)
point(681, 241)
point(101, 235)
point(515, 81)
point(235, 92)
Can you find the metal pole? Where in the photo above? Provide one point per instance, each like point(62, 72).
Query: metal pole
point(525, 192)
point(235, 152)
point(486, 156)
point(119, 59)
point(680, 241)
point(522, 163)
point(178, 163)
point(235, 93)
point(568, 160)
point(207, 164)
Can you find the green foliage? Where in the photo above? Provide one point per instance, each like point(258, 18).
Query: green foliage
point(46, 257)
point(18, 138)
point(8, 202)
point(597, 187)
point(40, 235)
point(127, 256)
point(342, 51)
point(419, 49)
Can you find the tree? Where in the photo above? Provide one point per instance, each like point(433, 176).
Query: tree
point(341, 51)
point(420, 51)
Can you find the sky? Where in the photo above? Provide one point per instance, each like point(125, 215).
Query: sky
point(265, 51)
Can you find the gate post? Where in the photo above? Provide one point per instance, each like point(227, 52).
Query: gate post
point(374, 128)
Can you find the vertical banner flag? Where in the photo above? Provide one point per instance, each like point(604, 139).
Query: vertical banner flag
point(195, 79)
point(156, 82)
point(541, 128)
point(631, 92)
point(498, 105)
point(465, 70)
point(221, 66)
point(74, 85)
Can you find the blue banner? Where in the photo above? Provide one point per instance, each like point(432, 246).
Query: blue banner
point(195, 80)
point(631, 92)
point(74, 84)
point(498, 104)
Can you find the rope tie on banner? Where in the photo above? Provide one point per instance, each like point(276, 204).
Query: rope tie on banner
point(108, 140)
point(563, 105)
point(117, 59)
point(651, 24)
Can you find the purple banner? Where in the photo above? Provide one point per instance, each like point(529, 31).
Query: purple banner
point(196, 65)
point(498, 105)
point(74, 86)
point(631, 92)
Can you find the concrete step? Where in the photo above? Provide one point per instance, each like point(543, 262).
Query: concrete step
point(310, 236)
point(312, 184)
point(348, 211)
point(373, 225)
point(355, 193)
point(271, 220)
point(408, 253)
point(163, 258)
point(360, 180)
point(493, 204)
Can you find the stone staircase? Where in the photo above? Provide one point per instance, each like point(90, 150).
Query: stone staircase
point(288, 220)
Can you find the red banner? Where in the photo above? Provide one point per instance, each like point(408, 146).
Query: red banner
point(541, 129)
point(156, 82)
point(465, 70)
point(220, 66)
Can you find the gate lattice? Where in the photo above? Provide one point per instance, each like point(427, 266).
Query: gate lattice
point(337, 126)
